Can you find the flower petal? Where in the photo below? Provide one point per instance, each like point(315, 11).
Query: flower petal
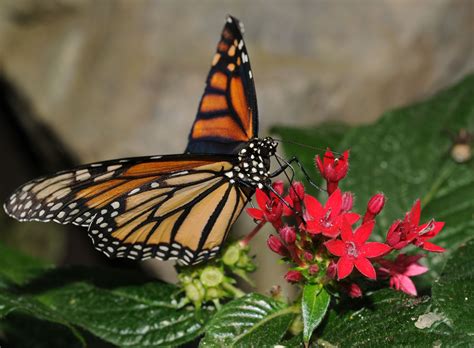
point(278, 186)
point(346, 231)
point(345, 266)
point(331, 232)
point(415, 269)
point(436, 227)
point(328, 158)
point(262, 199)
point(313, 207)
point(374, 249)
point(286, 210)
point(406, 285)
point(433, 247)
point(351, 218)
point(362, 233)
point(414, 214)
point(319, 164)
point(365, 267)
point(313, 227)
point(334, 203)
point(255, 213)
point(336, 247)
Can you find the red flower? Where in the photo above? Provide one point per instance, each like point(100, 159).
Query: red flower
point(331, 271)
point(327, 219)
point(354, 251)
point(276, 246)
point(400, 270)
point(288, 234)
point(347, 202)
point(295, 197)
point(313, 269)
point(374, 207)
point(333, 169)
point(293, 276)
point(402, 233)
point(352, 289)
point(271, 207)
point(428, 231)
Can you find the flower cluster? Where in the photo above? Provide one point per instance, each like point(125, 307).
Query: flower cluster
point(214, 281)
point(326, 243)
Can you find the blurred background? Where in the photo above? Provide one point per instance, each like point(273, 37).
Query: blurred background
point(84, 80)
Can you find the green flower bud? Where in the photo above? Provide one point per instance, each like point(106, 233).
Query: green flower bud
point(296, 326)
point(214, 293)
point(211, 276)
point(231, 255)
point(195, 291)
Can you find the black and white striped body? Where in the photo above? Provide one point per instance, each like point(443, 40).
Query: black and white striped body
point(253, 168)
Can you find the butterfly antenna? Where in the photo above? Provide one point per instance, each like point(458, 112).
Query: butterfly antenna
point(306, 146)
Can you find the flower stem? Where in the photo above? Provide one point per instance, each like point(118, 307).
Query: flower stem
point(244, 242)
point(233, 290)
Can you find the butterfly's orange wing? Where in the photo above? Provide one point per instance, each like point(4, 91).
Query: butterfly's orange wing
point(166, 207)
point(227, 115)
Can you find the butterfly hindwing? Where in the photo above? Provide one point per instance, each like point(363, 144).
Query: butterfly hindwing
point(227, 116)
point(167, 207)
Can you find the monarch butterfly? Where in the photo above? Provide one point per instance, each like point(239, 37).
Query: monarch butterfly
point(172, 206)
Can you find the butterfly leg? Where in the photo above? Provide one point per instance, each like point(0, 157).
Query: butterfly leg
point(287, 164)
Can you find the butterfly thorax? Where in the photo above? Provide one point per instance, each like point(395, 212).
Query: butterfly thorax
point(253, 166)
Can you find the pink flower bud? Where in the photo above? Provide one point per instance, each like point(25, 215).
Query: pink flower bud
point(275, 245)
point(376, 203)
point(331, 271)
point(308, 256)
point(297, 191)
point(278, 186)
point(374, 207)
point(347, 202)
point(288, 234)
point(293, 276)
point(331, 168)
point(313, 269)
point(353, 290)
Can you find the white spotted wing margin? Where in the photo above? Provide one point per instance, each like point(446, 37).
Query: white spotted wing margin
point(166, 207)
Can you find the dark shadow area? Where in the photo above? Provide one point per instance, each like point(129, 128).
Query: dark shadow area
point(30, 149)
point(106, 278)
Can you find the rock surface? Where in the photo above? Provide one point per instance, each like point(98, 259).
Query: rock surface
point(118, 78)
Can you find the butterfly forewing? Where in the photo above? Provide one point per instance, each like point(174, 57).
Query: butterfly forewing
point(227, 115)
point(168, 207)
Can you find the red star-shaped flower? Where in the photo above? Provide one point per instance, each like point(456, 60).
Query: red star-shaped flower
point(354, 250)
point(400, 270)
point(402, 233)
point(327, 220)
point(333, 169)
point(271, 207)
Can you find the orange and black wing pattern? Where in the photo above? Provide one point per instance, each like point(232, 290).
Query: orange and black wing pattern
point(165, 207)
point(227, 116)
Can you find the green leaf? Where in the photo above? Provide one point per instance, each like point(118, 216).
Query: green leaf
point(405, 154)
point(454, 291)
point(253, 320)
point(97, 301)
point(18, 269)
point(10, 302)
point(389, 318)
point(133, 316)
point(314, 304)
